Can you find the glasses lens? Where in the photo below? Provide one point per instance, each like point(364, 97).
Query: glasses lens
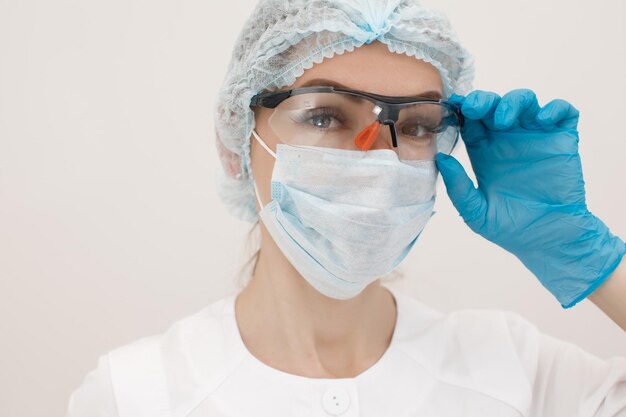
point(425, 129)
point(335, 120)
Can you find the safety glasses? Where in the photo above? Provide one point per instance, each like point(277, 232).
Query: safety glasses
point(342, 118)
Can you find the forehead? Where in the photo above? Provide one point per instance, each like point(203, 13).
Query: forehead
point(374, 68)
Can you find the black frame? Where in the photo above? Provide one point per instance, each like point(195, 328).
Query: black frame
point(390, 105)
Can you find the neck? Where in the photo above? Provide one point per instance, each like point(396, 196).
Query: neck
point(289, 325)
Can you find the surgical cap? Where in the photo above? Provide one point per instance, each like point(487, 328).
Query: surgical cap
point(282, 38)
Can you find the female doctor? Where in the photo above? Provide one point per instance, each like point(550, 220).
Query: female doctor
point(333, 122)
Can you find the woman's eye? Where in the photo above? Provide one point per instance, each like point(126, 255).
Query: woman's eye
point(419, 129)
point(321, 118)
point(322, 121)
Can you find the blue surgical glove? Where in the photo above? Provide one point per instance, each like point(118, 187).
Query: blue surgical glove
point(530, 198)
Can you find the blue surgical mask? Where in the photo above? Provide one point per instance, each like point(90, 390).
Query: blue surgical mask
point(344, 218)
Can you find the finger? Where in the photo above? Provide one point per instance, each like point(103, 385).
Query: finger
point(558, 113)
point(517, 106)
point(468, 200)
point(456, 99)
point(471, 130)
point(478, 110)
point(479, 104)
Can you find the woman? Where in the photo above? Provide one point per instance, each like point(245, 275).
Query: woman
point(336, 159)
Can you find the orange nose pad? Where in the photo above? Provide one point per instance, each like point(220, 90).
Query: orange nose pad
point(367, 136)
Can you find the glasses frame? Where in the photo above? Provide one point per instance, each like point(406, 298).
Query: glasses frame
point(390, 105)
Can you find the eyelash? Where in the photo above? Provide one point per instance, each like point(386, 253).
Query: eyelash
point(321, 111)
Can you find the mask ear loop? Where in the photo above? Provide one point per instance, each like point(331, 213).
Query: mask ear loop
point(267, 148)
point(271, 152)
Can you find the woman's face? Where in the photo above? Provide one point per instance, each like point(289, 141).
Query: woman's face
point(372, 68)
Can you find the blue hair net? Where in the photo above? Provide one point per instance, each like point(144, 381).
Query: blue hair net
point(282, 38)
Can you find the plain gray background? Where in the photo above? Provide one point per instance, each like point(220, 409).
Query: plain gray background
point(110, 226)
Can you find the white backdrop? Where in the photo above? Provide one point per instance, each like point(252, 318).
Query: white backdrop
point(110, 226)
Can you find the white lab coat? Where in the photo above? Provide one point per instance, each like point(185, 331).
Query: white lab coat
point(471, 363)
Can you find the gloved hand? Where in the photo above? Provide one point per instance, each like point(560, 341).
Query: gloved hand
point(530, 198)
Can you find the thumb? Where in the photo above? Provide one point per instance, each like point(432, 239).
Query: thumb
point(467, 199)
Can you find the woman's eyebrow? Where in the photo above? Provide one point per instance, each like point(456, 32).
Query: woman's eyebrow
point(435, 95)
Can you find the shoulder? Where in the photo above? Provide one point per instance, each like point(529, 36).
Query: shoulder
point(196, 339)
point(468, 328)
point(549, 371)
point(95, 394)
point(483, 337)
point(505, 356)
point(171, 370)
point(480, 350)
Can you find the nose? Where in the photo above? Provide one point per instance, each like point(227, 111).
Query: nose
point(383, 139)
